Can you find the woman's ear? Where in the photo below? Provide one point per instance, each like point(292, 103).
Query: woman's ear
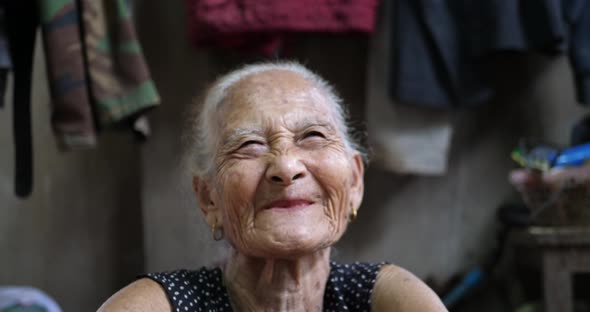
point(205, 201)
point(357, 186)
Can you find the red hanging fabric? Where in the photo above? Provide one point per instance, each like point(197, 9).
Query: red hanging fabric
point(263, 24)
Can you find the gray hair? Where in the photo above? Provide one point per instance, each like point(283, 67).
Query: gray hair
point(199, 157)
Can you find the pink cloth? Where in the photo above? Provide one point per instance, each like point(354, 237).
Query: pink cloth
point(263, 24)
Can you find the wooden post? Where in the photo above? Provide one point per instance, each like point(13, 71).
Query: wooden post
point(557, 281)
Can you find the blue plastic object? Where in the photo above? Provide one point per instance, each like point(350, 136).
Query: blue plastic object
point(469, 281)
point(573, 156)
point(545, 157)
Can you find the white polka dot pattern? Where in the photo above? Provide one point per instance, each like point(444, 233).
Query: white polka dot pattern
point(349, 288)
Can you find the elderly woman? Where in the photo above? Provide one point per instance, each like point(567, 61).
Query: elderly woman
point(276, 173)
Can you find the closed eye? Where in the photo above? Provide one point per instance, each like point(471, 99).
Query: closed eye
point(250, 142)
point(312, 134)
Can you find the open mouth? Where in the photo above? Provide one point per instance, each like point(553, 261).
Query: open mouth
point(289, 204)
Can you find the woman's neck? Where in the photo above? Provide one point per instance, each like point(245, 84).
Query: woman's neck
point(258, 284)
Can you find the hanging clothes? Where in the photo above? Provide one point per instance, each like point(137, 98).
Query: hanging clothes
point(405, 139)
point(440, 47)
point(120, 81)
point(21, 26)
point(71, 114)
point(97, 75)
point(578, 20)
point(264, 25)
point(97, 72)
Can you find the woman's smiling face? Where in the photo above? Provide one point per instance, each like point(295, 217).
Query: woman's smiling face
point(285, 180)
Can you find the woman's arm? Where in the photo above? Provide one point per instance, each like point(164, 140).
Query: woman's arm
point(141, 295)
point(399, 290)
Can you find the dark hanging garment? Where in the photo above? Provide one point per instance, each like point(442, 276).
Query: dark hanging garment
point(433, 64)
point(578, 17)
point(21, 26)
point(443, 49)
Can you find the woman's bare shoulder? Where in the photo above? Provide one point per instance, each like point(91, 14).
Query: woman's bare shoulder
point(141, 295)
point(396, 289)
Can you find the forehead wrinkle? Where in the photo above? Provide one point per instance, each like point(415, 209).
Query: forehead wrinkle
point(291, 88)
point(312, 122)
point(270, 125)
point(276, 82)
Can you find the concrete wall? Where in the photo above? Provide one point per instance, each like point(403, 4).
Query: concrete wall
point(434, 226)
point(78, 237)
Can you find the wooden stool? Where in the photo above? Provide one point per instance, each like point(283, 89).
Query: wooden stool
point(565, 250)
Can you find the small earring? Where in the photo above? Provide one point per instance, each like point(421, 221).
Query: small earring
point(217, 232)
point(353, 214)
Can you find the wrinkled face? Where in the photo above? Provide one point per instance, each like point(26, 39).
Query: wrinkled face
point(284, 182)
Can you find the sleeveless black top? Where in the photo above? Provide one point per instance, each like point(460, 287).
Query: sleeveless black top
point(349, 288)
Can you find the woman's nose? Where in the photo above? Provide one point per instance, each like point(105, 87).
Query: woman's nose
point(285, 169)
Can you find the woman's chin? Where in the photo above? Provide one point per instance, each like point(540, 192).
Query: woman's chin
point(290, 244)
